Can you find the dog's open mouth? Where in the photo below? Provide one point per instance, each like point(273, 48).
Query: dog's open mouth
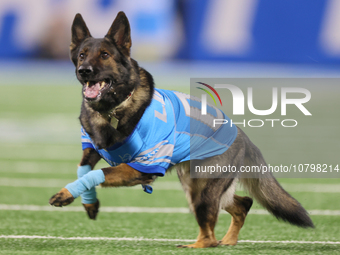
point(93, 89)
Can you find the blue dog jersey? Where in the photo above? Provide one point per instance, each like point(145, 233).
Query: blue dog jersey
point(171, 130)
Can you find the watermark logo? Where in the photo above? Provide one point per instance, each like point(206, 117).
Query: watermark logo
point(204, 97)
point(239, 101)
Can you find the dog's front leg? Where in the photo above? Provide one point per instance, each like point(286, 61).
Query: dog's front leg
point(89, 199)
point(121, 175)
point(90, 157)
point(125, 175)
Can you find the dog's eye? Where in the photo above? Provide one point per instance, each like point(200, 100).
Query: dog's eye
point(81, 56)
point(105, 55)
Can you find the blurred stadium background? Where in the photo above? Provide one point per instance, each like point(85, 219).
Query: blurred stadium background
point(175, 40)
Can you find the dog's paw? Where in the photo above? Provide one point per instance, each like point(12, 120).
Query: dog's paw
point(92, 210)
point(228, 242)
point(62, 198)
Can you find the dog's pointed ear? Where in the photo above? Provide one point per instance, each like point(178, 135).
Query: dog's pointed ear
point(79, 33)
point(79, 30)
point(120, 33)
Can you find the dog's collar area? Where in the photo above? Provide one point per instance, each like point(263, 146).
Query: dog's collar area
point(112, 113)
point(114, 121)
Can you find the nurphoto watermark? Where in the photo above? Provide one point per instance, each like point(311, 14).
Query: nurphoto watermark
point(256, 105)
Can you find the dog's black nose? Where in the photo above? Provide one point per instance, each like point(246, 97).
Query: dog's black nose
point(85, 70)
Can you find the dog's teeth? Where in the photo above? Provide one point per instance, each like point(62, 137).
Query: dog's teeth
point(87, 83)
point(103, 83)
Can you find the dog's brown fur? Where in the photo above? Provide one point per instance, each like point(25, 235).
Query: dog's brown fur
point(109, 60)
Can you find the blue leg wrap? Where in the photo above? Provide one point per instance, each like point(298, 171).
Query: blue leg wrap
point(86, 183)
point(89, 196)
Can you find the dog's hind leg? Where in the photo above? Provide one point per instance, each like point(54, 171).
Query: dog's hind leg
point(204, 197)
point(238, 211)
point(206, 209)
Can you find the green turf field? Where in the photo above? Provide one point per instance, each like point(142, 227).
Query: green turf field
point(40, 148)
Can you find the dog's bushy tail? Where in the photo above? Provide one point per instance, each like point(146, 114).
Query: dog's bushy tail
point(269, 193)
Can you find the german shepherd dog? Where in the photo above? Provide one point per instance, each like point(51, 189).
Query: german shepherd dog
point(115, 88)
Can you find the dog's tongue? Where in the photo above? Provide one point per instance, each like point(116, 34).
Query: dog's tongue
point(93, 91)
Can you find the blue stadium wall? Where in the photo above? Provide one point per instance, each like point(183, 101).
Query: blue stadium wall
point(289, 31)
point(276, 31)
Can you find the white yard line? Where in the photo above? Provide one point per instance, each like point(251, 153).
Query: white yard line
point(132, 209)
point(37, 183)
point(54, 128)
point(151, 239)
point(161, 185)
